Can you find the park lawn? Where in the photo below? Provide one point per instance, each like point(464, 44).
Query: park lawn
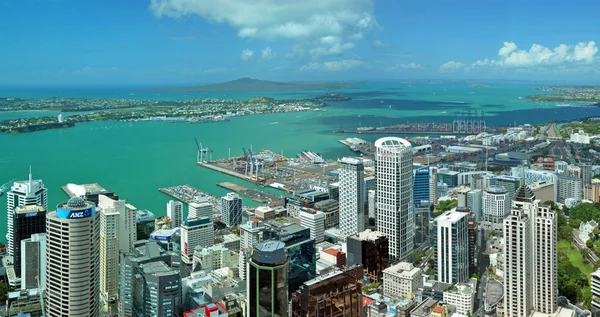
point(577, 260)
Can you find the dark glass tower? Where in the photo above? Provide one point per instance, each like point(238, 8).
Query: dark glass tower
point(27, 220)
point(268, 280)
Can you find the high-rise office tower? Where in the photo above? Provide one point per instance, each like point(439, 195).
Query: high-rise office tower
point(267, 280)
point(73, 259)
point(27, 220)
point(200, 208)
point(495, 204)
point(421, 202)
point(29, 192)
point(175, 212)
point(371, 250)
point(569, 186)
point(586, 174)
point(251, 233)
point(395, 216)
point(315, 221)
point(352, 202)
point(231, 210)
point(157, 290)
point(198, 232)
point(33, 256)
point(530, 267)
point(474, 203)
point(127, 233)
point(451, 247)
point(109, 254)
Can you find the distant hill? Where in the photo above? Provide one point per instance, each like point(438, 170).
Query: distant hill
point(257, 85)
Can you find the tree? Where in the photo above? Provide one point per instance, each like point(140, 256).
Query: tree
point(468, 313)
point(3, 291)
point(585, 212)
point(475, 276)
point(589, 244)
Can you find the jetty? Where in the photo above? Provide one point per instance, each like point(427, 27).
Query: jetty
point(254, 194)
point(188, 194)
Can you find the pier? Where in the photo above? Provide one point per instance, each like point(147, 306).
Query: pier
point(254, 194)
point(188, 194)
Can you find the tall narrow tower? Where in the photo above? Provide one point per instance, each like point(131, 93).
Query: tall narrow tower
point(268, 280)
point(395, 216)
point(22, 193)
point(352, 202)
point(73, 260)
point(175, 212)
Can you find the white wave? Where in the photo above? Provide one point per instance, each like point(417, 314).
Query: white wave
point(272, 123)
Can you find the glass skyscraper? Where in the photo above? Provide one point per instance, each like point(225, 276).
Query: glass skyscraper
point(268, 280)
point(421, 201)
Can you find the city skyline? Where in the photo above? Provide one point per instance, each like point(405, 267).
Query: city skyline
point(173, 42)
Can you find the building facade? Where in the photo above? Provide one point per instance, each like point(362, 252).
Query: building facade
point(22, 193)
point(395, 216)
point(315, 221)
point(569, 186)
point(231, 210)
point(33, 256)
point(109, 254)
point(27, 221)
point(267, 280)
point(401, 280)
point(451, 247)
point(352, 202)
point(200, 208)
point(370, 249)
point(198, 232)
point(175, 212)
point(156, 291)
point(73, 259)
point(495, 205)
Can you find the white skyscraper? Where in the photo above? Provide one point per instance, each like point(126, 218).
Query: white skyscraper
point(231, 210)
point(451, 247)
point(198, 232)
point(395, 216)
point(127, 220)
point(175, 212)
point(530, 265)
point(352, 202)
point(33, 256)
point(29, 192)
point(495, 205)
point(315, 221)
point(73, 260)
point(200, 208)
point(109, 253)
point(251, 233)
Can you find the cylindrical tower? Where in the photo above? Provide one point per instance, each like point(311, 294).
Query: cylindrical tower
point(395, 214)
point(268, 280)
point(73, 259)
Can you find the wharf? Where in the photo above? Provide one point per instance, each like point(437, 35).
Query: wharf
point(254, 194)
point(188, 194)
point(223, 170)
point(397, 131)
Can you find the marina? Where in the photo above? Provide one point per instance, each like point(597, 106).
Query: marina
point(188, 194)
point(254, 194)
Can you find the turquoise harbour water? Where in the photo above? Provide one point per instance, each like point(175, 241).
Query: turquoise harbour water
point(135, 159)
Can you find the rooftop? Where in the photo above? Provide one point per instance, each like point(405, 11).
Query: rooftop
point(157, 268)
point(29, 209)
point(369, 235)
point(450, 216)
point(351, 160)
point(403, 269)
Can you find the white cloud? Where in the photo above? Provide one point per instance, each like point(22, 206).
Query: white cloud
point(267, 53)
point(332, 65)
point(380, 44)
point(540, 56)
point(327, 27)
point(451, 66)
point(246, 54)
point(407, 66)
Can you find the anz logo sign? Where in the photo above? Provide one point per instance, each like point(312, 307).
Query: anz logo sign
point(80, 214)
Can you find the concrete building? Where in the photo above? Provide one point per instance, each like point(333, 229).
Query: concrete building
point(530, 264)
point(198, 232)
point(561, 166)
point(451, 247)
point(337, 293)
point(251, 233)
point(474, 202)
point(495, 205)
point(330, 208)
point(595, 277)
point(352, 203)
point(267, 280)
point(569, 186)
point(591, 192)
point(211, 258)
point(27, 220)
point(231, 210)
point(127, 233)
point(200, 208)
point(129, 272)
point(395, 216)
point(33, 258)
point(544, 191)
point(315, 221)
point(462, 296)
point(401, 280)
point(22, 193)
point(370, 249)
point(371, 203)
point(109, 254)
point(580, 137)
point(73, 246)
point(264, 213)
point(157, 290)
point(175, 212)
point(586, 174)
point(334, 256)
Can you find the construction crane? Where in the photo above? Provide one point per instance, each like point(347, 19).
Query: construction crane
point(245, 160)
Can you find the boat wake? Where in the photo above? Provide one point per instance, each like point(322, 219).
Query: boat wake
point(4, 187)
point(273, 123)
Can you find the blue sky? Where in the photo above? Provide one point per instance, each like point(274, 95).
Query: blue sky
point(174, 42)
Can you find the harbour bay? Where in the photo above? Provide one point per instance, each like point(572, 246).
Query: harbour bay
point(134, 159)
